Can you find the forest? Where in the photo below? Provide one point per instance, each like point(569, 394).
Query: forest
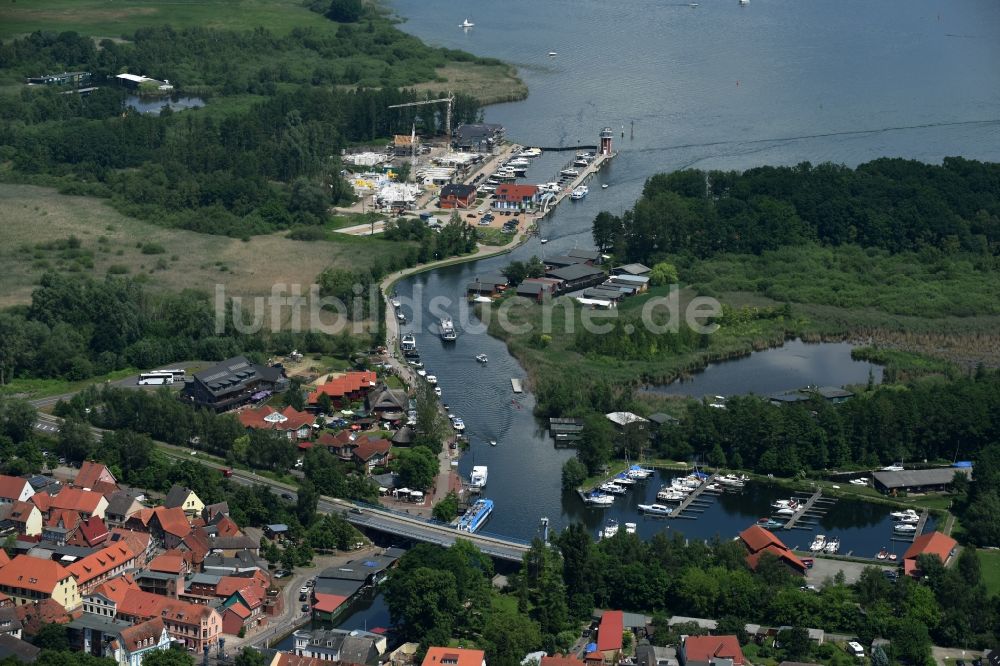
point(558, 586)
point(895, 205)
point(267, 158)
point(77, 327)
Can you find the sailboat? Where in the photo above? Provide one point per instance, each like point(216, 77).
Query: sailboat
point(466, 24)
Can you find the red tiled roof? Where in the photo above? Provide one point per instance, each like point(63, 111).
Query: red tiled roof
point(452, 656)
point(146, 605)
point(609, 635)
point(20, 511)
point(560, 660)
point(137, 541)
point(11, 487)
point(32, 573)
point(90, 473)
point(240, 610)
point(370, 447)
point(707, 648)
point(36, 615)
point(63, 518)
point(289, 659)
point(515, 192)
point(142, 632)
point(173, 521)
point(165, 563)
point(229, 585)
point(42, 500)
point(293, 419)
point(932, 543)
point(116, 588)
point(94, 531)
point(197, 542)
point(757, 538)
point(327, 603)
point(225, 526)
point(99, 563)
point(787, 556)
point(74, 499)
point(345, 384)
point(4, 557)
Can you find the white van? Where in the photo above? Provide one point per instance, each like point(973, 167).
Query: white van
point(855, 648)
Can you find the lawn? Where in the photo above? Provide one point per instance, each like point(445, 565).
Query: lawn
point(115, 18)
point(43, 388)
point(112, 242)
point(989, 561)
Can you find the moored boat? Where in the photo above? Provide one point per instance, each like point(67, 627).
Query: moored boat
point(448, 333)
point(882, 554)
point(599, 499)
point(906, 528)
point(630, 528)
point(476, 515)
point(832, 546)
point(819, 543)
point(579, 192)
point(480, 473)
point(612, 488)
point(785, 511)
point(482, 358)
point(656, 509)
point(610, 529)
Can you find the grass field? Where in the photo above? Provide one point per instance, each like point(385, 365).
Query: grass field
point(115, 18)
point(31, 215)
point(490, 84)
point(989, 561)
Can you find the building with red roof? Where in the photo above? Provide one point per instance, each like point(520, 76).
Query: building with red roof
point(932, 543)
point(4, 557)
point(85, 502)
point(609, 636)
point(91, 533)
point(449, 656)
point(104, 599)
point(135, 642)
point(759, 541)
point(235, 618)
point(14, 489)
point(560, 660)
point(193, 624)
point(515, 197)
point(290, 422)
point(101, 566)
point(93, 473)
point(22, 516)
point(707, 650)
point(345, 388)
point(170, 525)
point(29, 579)
point(34, 616)
point(371, 452)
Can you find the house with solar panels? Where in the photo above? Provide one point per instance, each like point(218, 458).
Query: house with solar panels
point(234, 382)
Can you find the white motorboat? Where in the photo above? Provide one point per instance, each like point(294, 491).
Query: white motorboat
point(549, 187)
point(732, 480)
point(458, 424)
point(669, 495)
point(552, 54)
point(579, 192)
point(448, 333)
point(786, 511)
point(395, 302)
point(604, 186)
point(437, 391)
point(421, 372)
point(408, 342)
point(859, 482)
point(493, 442)
point(479, 475)
point(569, 173)
point(907, 528)
point(637, 471)
point(819, 543)
point(692, 4)
point(894, 467)
point(656, 509)
point(466, 24)
point(610, 529)
point(599, 499)
point(482, 358)
point(624, 478)
point(518, 162)
point(832, 546)
point(580, 162)
point(744, 2)
point(544, 241)
point(612, 488)
point(910, 519)
point(401, 316)
point(630, 528)
point(882, 554)
point(431, 379)
point(416, 363)
point(530, 152)
point(899, 515)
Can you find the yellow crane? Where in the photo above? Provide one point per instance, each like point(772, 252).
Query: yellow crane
point(450, 100)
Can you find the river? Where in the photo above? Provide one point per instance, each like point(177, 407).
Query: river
point(715, 86)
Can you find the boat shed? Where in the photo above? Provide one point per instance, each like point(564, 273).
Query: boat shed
point(560, 260)
point(487, 285)
point(604, 293)
point(638, 282)
point(585, 256)
point(788, 397)
point(917, 480)
point(631, 269)
point(565, 430)
point(577, 276)
point(833, 394)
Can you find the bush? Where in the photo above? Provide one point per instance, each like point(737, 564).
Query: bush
point(117, 269)
point(153, 248)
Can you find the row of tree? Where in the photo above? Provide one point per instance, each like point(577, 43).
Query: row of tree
point(894, 204)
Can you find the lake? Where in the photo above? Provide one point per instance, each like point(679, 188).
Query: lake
point(716, 86)
point(154, 105)
point(792, 366)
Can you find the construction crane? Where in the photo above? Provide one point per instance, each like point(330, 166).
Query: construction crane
point(450, 99)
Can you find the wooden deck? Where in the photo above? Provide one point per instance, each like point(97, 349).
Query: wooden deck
point(803, 510)
point(685, 505)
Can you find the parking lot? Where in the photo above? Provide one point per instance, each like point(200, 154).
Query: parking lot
point(824, 569)
point(495, 219)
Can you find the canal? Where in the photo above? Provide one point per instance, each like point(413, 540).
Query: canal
point(716, 86)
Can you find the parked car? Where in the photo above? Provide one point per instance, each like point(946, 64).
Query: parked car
point(281, 573)
point(287, 496)
point(306, 608)
point(304, 596)
point(226, 472)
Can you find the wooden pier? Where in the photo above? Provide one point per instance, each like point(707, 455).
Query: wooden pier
point(685, 505)
point(804, 510)
point(586, 174)
point(516, 385)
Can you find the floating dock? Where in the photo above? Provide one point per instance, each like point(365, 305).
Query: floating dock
point(516, 385)
point(803, 510)
point(586, 174)
point(685, 505)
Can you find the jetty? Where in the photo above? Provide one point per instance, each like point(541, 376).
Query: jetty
point(921, 524)
point(516, 385)
point(586, 174)
point(804, 510)
point(691, 499)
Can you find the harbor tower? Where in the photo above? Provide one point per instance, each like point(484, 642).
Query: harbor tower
point(606, 134)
